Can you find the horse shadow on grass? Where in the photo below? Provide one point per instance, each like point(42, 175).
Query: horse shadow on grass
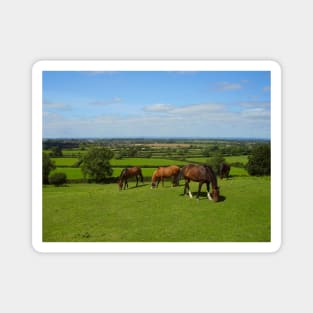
point(139, 186)
point(203, 196)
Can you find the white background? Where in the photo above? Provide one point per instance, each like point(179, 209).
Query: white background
point(33, 30)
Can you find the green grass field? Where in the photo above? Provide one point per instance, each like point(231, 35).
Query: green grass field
point(100, 212)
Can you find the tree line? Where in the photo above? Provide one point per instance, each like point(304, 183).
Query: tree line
point(95, 164)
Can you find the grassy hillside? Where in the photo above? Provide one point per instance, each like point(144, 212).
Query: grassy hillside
point(95, 212)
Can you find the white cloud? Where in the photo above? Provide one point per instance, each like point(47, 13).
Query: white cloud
point(255, 104)
point(226, 86)
point(197, 120)
point(160, 107)
point(192, 109)
point(56, 106)
point(198, 109)
point(256, 114)
point(114, 100)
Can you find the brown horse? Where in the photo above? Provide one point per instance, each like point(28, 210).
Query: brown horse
point(129, 172)
point(162, 172)
point(224, 170)
point(202, 174)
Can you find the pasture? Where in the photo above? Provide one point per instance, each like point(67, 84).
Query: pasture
point(101, 213)
point(89, 212)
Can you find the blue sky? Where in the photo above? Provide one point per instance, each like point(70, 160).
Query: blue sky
point(156, 104)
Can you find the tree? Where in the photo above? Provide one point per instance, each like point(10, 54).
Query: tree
point(47, 166)
point(259, 162)
point(96, 163)
point(206, 152)
point(56, 151)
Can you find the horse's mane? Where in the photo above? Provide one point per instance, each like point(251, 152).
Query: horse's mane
point(154, 175)
point(123, 172)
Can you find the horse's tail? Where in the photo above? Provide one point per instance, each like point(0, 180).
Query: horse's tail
point(180, 174)
point(140, 174)
point(177, 177)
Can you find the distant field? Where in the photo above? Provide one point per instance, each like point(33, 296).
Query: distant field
point(64, 161)
point(69, 152)
point(76, 173)
point(71, 172)
point(229, 159)
point(145, 162)
point(100, 212)
point(73, 152)
point(64, 165)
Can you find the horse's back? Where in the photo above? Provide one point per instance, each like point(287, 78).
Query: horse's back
point(194, 172)
point(134, 170)
point(167, 171)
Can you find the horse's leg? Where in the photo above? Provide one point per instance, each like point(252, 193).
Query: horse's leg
point(125, 183)
point(174, 181)
point(136, 180)
point(162, 178)
point(187, 187)
point(208, 189)
point(199, 189)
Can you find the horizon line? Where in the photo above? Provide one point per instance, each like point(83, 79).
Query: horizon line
point(162, 138)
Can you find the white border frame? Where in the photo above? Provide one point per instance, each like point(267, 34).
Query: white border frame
point(157, 247)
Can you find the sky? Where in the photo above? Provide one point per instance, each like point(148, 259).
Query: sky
point(201, 104)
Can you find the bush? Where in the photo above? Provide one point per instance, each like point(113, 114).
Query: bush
point(58, 179)
point(259, 162)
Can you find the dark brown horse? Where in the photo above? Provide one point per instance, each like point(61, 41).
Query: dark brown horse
point(202, 174)
point(127, 173)
point(224, 170)
point(162, 172)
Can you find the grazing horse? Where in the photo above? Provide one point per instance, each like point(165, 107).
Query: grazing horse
point(224, 170)
point(129, 172)
point(202, 174)
point(162, 172)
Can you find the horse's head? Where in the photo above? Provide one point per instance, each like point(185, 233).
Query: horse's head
point(216, 193)
point(154, 179)
point(120, 184)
